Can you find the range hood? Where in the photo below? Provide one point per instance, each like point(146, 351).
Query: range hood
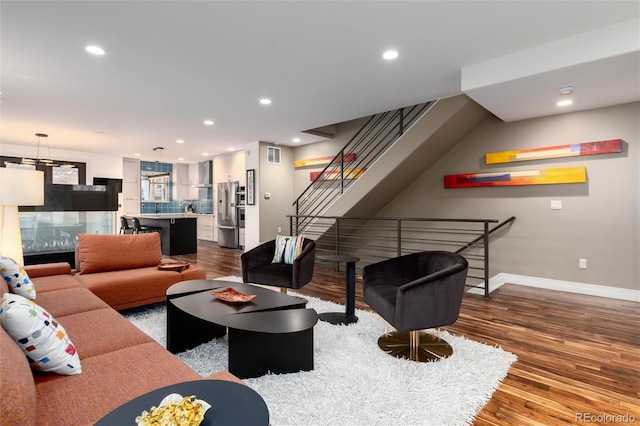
point(205, 174)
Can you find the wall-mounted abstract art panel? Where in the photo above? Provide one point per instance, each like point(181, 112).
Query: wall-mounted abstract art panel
point(518, 177)
point(321, 161)
point(335, 174)
point(559, 151)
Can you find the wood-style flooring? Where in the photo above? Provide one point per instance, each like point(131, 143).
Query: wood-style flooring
point(578, 356)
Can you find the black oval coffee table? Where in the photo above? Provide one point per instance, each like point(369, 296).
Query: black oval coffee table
point(232, 404)
point(272, 333)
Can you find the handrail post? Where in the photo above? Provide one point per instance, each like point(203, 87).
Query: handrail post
point(399, 237)
point(486, 259)
point(401, 121)
point(291, 225)
point(342, 171)
point(337, 235)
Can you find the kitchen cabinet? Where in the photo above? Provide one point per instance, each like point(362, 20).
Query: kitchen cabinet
point(193, 181)
point(181, 183)
point(177, 232)
point(131, 187)
point(205, 227)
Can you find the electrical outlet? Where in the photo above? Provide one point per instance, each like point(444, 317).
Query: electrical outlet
point(279, 229)
point(582, 263)
point(556, 204)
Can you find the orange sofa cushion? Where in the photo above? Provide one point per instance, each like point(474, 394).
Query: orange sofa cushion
point(107, 381)
point(100, 253)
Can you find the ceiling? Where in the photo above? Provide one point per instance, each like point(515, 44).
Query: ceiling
point(169, 65)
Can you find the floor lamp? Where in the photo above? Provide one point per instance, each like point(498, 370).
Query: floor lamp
point(18, 187)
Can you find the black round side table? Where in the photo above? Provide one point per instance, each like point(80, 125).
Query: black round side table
point(347, 317)
point(232, 404)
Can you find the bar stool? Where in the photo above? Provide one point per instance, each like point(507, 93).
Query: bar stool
point(137, 228)
point(124, 226)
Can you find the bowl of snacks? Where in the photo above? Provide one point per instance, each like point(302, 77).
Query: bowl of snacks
point(175, 410)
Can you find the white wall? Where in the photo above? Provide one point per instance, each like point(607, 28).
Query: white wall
point(252, 213)
point(98, 165)
point(229, 168)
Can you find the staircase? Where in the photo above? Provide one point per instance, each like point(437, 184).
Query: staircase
point(388, 153)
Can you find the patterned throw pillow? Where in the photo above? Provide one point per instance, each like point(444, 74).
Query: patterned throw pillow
point(43, 340)
point(287, 248)
point(17, 278)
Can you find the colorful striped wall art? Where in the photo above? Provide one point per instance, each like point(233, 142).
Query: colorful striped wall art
point(559, 151)
point(321, 161)
point(548, 176)
point(335, 174)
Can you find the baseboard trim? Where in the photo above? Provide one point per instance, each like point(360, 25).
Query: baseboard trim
point(502, 278)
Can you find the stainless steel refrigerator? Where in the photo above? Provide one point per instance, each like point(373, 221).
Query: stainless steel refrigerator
point(227, 217)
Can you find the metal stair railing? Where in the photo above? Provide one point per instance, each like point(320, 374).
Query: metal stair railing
point(377, 238)
point(379, 133)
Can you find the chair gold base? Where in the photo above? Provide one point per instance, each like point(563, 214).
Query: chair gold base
point(415, 345)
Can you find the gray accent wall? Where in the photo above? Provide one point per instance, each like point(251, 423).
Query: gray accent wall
point(278, 181)
point(599, 221)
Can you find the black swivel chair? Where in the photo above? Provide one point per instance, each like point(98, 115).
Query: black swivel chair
point(137, 228)
point(257, 267)
point(415, 292)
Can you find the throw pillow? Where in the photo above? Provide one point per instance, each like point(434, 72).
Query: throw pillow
point(16, 278)
point(287, 248)
point(42, 339)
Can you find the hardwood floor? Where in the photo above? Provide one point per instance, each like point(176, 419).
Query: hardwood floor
point(578, 356)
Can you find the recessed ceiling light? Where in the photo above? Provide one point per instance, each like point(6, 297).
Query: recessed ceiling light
point(564, 103)
point(208, 122)
point(295, 140)
point(390, 54)
point(179, 140)
point(180, 158)
point(230, 149)
point(565, 90)
point(265, 101)
point(136, 154)
point(205, 154)
point(95, 50)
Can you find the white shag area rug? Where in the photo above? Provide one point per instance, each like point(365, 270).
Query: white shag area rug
point(354, 382)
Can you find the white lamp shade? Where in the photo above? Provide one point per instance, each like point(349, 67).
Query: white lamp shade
point(18, 187)
point(21, 187)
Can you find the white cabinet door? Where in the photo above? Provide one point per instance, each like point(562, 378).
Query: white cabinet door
point(130, 187)
point(193, 181)
point(181, 182)
point(205, 227)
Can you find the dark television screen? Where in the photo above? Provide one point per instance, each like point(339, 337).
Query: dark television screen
point(117, 183)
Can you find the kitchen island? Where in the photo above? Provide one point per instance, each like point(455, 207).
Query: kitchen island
point(178, 231)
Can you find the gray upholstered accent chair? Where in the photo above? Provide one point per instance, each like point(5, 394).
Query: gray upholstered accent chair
point(415, 292)
point(257, 267)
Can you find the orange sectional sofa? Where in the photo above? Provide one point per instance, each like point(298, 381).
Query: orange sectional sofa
point(123, 269)
point(119, 362)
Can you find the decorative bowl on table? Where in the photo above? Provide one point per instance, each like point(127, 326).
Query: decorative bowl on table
point(172, 265)
point(232, 295)
point(176, 411)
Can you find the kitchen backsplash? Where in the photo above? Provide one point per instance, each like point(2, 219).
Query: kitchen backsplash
point(178, 206)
